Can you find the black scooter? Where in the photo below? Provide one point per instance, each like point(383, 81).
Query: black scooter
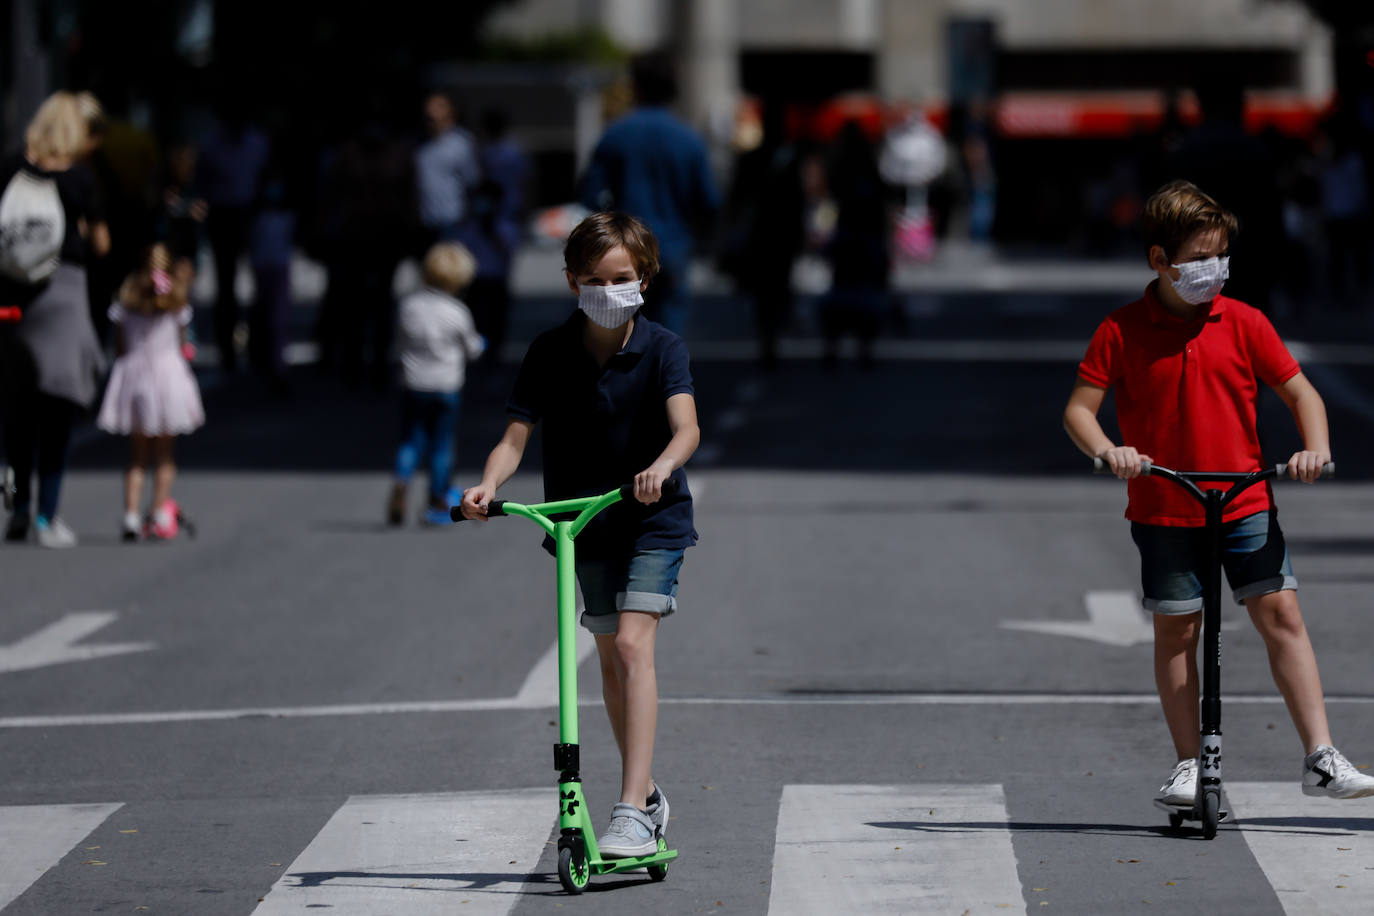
point(1206, 806)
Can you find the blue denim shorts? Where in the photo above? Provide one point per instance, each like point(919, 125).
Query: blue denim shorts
point(1173, 562)
point(644, 581)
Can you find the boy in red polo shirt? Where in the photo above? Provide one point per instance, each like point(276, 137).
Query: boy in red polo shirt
point(1185, 364)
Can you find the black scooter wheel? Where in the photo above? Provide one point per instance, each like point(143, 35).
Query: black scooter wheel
point(1211, 814)
point(1175, 820)
point(660, 871)
point(572, 875)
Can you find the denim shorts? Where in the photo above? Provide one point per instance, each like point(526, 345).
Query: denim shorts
point(644, 581)
point(1173, 562)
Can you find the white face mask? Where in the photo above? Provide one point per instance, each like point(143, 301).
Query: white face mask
point(610, 306)
point(1200, 281)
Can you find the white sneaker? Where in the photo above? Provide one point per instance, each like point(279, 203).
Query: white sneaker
point(658, 813)
point(631, 834)
point(1181, 787)
point(53, 533)
point(1326, 772)
point(130, 528)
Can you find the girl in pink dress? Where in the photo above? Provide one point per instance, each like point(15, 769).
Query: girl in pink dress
point(152, 397)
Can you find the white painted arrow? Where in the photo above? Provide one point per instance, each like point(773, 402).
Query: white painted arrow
point(53, 644)
point(1114, 618)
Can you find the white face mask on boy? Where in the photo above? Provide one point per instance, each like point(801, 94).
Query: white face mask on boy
point(1200, 281)
point(610, 306)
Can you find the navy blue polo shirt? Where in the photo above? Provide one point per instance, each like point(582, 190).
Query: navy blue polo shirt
point(602, 425)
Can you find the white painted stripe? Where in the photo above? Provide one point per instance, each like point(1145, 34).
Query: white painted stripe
point(1317, 853)
point(541, 684)
point(36, 837)
point(468, 852)
point(893, 849)
point(508, 703)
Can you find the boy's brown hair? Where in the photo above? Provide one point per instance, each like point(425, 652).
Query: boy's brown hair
point(607, 229)
point(1176, 211)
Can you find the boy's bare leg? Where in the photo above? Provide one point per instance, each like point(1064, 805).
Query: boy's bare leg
point(133, 474)
point(632, 701)
point(1293, 663)
point(1176, 678)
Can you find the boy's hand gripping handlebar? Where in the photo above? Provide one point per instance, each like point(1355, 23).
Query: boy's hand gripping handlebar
point(497, 506)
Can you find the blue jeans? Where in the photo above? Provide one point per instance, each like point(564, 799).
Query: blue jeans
point(644, 581)
point(429, 420)
point(1173, 562)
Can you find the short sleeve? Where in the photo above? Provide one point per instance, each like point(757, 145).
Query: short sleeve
point(115, 313)
point(1272, 362)
point(185, 315)
point(675, 369)
point(527, 397)
point(1101, 363)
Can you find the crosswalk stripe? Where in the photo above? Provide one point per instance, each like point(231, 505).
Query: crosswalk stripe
point(419, 855)
point(33, 838)
point(894, 849)
point(1317, 853)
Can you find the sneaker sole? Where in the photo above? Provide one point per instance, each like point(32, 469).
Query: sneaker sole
point(623, 852)
point(1319, 792)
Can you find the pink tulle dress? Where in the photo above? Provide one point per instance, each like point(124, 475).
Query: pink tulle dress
point(151, 390)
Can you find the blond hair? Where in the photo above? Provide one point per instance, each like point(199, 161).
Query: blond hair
point(138, 292)
point(1177, 211)
point(449, 266)
point(58, 130)
point(607, 229)
point(93, 112)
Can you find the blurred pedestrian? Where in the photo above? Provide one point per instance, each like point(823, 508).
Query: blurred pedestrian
point(271, 244)
point(858, 250)
point(765, 216)
point(152, 397)
point(94, 165)
point(436, 338)
point(367, 221)
point(181, 214)
point(1345, 212)
point(228, 176)
point(52, 360)
point(495, 227)
point(446, 171)
point(653, 166)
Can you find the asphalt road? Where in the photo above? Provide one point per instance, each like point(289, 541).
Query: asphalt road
point(296, 694)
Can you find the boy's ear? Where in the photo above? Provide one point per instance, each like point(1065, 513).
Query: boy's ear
point(1158, 259)
point(572, 281)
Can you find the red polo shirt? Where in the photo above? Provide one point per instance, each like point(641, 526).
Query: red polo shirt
point(1185, 396)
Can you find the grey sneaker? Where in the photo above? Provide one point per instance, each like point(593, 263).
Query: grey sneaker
point(1326, 772)
point(631, 834)
point(658, 813)
point(1181, 787)
point(53, 533)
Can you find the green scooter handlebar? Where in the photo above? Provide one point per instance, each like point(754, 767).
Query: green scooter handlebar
point(497, 506)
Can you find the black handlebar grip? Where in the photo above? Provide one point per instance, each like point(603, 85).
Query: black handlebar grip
point(493, 508)
point(1101, 467)
point(1327, 472)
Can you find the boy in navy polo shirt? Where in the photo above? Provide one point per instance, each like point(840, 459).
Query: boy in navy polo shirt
point(614, 391)
point(1184, 363)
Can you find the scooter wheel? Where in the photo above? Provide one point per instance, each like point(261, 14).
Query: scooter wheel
point(660, 871)
point(572, 875)
point(1211, 813)
point(1175, 820)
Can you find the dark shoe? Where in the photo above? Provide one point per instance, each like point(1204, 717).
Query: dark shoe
point(396, 505)
point(18, 528)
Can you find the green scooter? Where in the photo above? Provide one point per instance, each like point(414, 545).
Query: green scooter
point(578, 857)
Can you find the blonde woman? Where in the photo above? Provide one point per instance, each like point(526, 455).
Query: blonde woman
point(52, 361)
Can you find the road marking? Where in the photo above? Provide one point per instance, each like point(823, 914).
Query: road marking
point(1315, 852)
point(541, 684)
point(893, 849)
point(468, 852)
point(173, 716)
point(53, 645)
point(1114, 618)
point(36, 837)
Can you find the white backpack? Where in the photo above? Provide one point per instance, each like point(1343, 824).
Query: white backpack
point(32, 226)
